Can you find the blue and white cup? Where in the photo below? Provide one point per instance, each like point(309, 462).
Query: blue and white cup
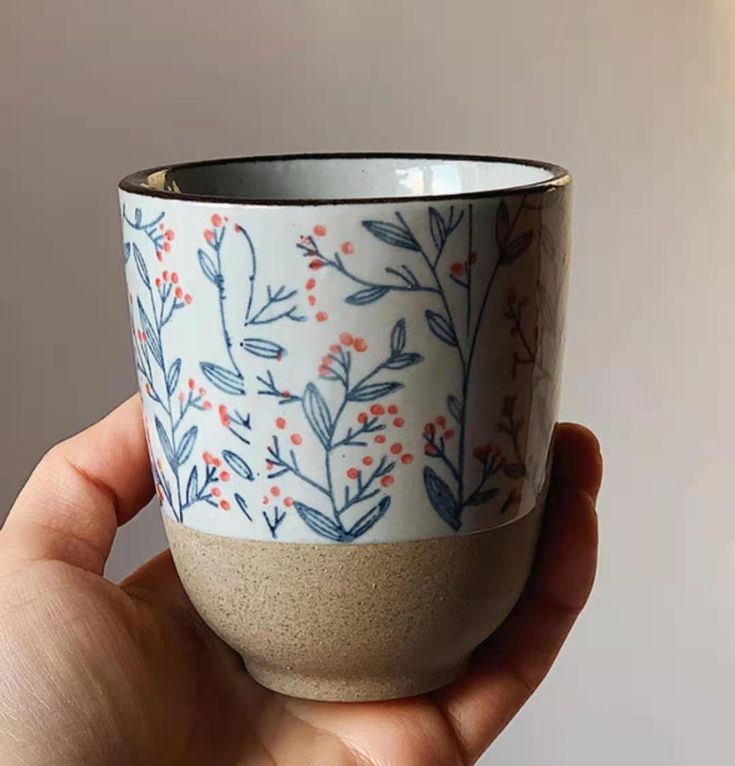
point(347, 350)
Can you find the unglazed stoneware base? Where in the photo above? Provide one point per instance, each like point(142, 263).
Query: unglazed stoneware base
point(355, 622)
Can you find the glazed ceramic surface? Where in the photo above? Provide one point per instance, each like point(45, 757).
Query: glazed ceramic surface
point(347, 350)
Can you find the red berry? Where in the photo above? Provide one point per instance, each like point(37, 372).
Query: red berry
point(280, 422)
point(362, 417)
point(174, 277)
point(224, 505)
point(315, 263)
point(216, 462)
point(321, 316)
point(360, 344)
point(191, 383)
point(179, 292)
point(320, 230)
point(167, 247)
point(352, 473)
point(207, 405)
point(380, 439)
point(407, 458)
point(367, 460)
point(310, 283)
point(429, 429)
point(288, 501)
point(216, 491)
point(296, 439)
point(396, 448)
point(449, 434)
point(386, 481)
point(457, 268)
point(311, 300)
point(275, 491)
point(188, 299)
point(392, 409)
point(169, 234)
point(346, 339)
point(398, 422)
point(224, 475)
point(165, 276)
point(216, 220)
point(431, 449)
point(377, 409)
point(209, 236)
point(347, 248)
point(441, 421)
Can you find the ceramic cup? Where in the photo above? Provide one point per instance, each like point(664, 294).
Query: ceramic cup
point(349, 366)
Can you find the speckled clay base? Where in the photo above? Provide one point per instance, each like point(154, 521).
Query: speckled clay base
point(355, 622)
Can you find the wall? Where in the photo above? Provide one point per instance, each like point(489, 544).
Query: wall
point(636, 98)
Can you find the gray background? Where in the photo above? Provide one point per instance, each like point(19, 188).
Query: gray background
point(635, 97)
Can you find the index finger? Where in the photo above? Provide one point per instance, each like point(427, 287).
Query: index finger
point(513, 662)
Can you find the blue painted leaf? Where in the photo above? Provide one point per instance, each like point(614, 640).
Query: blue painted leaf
point(400, 361)
point(151, 336)
point(398, 336)
point(317, 414)
point(516, 248)
point(455, 408)
point(186, 445)
point(163, 481)
point(442, 498)
point(369, 519)
point(192, 486)
point(238, 465)
point(484, 496)
point(208, 267)
point(168, 450)
point(242, 505)
point(320, 523)
point(126, 252)
point(440, 326)
point(226, 380)
point(438, 228)
point(392, 234)
point(266, 349)
point(172, 376)
point(369, 392)
point(368, 295)
point(140, 265)
point(138, 216)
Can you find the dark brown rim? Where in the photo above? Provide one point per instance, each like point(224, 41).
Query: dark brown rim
point(560, 177)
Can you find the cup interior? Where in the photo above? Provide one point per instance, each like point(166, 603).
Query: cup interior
point(342, 177)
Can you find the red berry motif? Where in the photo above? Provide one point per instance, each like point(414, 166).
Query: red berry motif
point(320, 230)
point(347, 248)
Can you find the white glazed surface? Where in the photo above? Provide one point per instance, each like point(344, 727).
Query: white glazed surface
point(257, 291)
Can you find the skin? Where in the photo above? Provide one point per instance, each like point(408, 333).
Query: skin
point(98, 673)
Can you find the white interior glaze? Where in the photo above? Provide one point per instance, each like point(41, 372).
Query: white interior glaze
point(342, 177)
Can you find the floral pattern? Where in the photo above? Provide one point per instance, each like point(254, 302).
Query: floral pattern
point(296, 394)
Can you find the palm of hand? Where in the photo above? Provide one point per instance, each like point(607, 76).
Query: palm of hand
point(94, 673)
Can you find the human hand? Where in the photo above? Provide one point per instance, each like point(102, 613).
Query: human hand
point(96, 673)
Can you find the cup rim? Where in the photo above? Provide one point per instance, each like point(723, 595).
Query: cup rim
point(135, 183)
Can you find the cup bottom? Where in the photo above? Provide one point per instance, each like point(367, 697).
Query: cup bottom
point(363, 688)
point(355, 622)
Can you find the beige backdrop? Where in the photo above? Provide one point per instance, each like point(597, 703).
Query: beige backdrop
point(634, 96)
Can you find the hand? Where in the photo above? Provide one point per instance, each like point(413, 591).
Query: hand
point(95, 673)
